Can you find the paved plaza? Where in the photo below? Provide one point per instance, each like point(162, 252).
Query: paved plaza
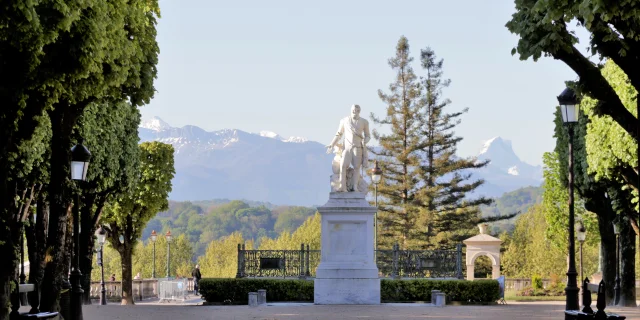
point(166, 311)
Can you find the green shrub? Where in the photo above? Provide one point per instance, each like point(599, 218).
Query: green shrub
point(236, 291)
point(536, 282)
point(455, 290)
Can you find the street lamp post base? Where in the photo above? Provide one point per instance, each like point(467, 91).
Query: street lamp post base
point(76, 295)
point(103, 296)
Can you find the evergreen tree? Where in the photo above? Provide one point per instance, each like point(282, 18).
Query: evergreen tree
point(398, 156)
point(424, 195)
point(448, 215)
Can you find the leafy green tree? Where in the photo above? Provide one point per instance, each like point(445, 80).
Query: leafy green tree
point(111, 261)
point(308, 234)
point(607, 198)
point(530, 252)
point(181, 259)
point(556, 204)
point(29, 30)
point(221, 258)
point(290, 218)
point(130, 212)
point(542, 29)
point(118, 63)
point(114, 151)
point(611, 152)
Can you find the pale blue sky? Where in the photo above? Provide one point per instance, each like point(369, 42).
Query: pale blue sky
point(295, 67)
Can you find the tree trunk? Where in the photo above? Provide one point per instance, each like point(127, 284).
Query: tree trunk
point(608, 246)
point(36, 233)
point(7, 246)
point(87, 243)
point(86, 267)
point(62, 121)
point(627, 265)
point(127, 285)
point(9, 266)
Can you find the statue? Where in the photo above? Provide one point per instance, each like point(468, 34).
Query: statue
point(352, 152)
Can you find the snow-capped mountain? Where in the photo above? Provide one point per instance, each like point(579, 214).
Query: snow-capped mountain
point(265, 166)
point(505, 171)
point(235, 164)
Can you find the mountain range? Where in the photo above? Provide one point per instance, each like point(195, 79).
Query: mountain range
point(265, 166)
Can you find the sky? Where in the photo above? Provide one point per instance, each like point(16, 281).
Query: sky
point(296, 67)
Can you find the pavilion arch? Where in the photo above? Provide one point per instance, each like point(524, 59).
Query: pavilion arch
point(483, 245)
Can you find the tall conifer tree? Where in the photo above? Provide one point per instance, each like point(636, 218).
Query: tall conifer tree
point(397, 155)
point(448, 213)
point(423, 199)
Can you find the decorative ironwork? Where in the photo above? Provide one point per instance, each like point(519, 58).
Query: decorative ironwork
point(394, 263)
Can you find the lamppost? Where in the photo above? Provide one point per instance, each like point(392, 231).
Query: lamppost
point(168, 237)
point(154, 237)
point(569, 108)
point(376, 176)
point(102, 235)
point(582, 235)
point(616, 289)
point(80, 157)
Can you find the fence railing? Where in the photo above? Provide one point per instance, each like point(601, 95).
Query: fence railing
point(393, 263)
point(172, 289)
point(142, 289)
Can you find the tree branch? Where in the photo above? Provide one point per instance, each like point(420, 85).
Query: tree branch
point(593, 83)
point(614, 48)
point(630, 176)
point(631, 215)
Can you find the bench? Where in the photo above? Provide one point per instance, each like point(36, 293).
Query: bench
point(577, 314)
point(41, 315)
point(24, 288)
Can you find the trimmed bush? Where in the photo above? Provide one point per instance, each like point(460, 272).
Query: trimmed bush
point(456, 290)
point(236, 291)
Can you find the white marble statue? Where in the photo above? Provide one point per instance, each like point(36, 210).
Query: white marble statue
point(353, 151)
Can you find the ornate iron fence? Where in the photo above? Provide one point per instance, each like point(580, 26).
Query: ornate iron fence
point(393, 263)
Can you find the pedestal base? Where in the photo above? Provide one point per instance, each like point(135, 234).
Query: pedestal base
point(347, 273)
point(346, 291)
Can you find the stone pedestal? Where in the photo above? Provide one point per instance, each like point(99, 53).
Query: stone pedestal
point(347, 273)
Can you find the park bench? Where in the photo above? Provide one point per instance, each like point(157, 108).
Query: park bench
point(15, 315)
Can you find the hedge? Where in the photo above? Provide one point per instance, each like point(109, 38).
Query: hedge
point(236, 291)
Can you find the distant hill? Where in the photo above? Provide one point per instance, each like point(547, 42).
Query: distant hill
point(205, 221)
point(519, 200)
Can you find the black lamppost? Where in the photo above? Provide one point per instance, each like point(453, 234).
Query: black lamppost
point(168, 237)
point(569, 109)
point(376, 176)
point(582, 235)
point(616, 289)
point(154, 237)
point(102, 235)
point(80, 157)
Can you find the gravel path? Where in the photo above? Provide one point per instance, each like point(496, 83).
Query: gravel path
point(514, 310)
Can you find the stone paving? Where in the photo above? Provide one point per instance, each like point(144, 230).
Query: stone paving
point(291, 311)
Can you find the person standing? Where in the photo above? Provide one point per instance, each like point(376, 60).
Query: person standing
point(196, 278)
